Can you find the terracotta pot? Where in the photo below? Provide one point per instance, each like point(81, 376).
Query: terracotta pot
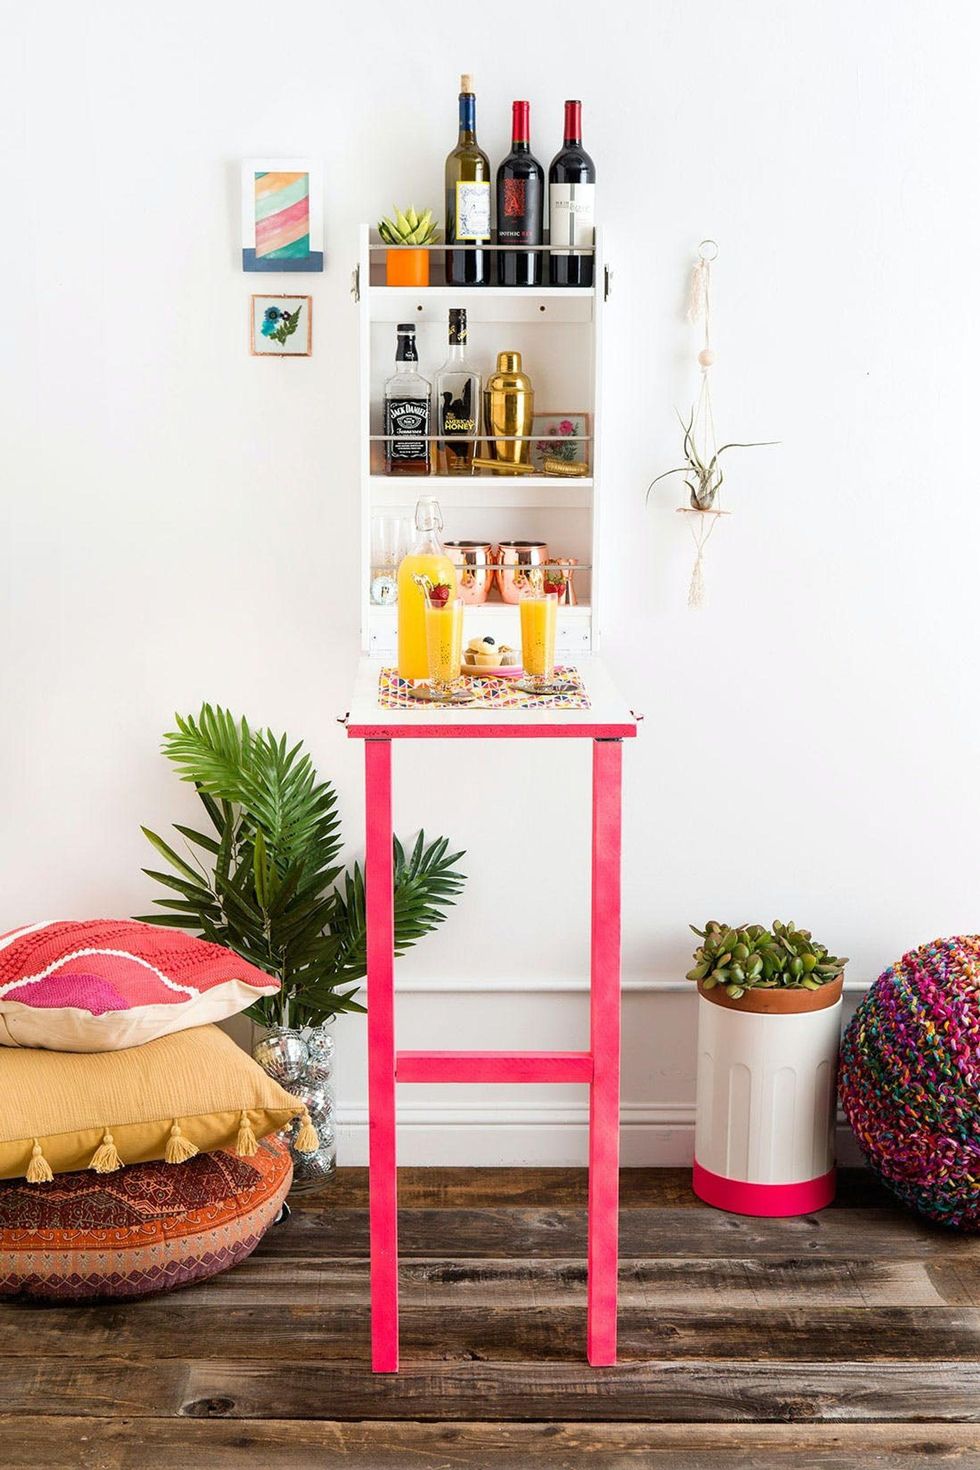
point(405, 266)
point(767, 1099)
point(778, 1002)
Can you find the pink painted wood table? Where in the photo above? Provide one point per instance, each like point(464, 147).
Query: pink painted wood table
point(607, 723)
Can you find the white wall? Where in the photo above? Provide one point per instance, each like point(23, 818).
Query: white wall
point(181, 519)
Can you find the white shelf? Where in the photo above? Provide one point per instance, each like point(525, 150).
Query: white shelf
point(492, 612)
point(608, 714)
point(459, 294)
point(532, 305)
point(485, 492)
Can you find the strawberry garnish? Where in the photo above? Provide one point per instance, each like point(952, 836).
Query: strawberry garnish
point(439, 594)
point(554, 582)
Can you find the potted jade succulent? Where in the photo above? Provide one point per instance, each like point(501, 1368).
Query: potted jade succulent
point(769, 1015)
point(406, 264)
point(265, 883)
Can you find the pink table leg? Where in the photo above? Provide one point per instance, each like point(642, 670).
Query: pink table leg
point(379, 902)
point(607, 766)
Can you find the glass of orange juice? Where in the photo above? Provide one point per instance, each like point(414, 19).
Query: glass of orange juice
point(539, 620)
point(444, 643)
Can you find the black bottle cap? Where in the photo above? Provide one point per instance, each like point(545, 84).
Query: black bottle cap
point(405, 327)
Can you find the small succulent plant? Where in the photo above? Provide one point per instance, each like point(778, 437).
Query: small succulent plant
point(409, 228)
point(750, 957)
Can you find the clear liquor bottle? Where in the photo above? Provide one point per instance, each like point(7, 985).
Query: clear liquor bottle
point(408, 410)
point(457, 403)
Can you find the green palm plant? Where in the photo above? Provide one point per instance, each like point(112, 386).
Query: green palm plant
point(266, 882)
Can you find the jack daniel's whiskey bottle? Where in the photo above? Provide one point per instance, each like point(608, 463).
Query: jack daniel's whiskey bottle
point(407, 410)
point(457, 402)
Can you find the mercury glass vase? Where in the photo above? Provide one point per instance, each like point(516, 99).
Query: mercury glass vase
point(301, 1061)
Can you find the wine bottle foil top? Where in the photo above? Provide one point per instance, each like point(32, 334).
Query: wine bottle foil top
point(521, 124)
point(404, 328)
point(457, 325)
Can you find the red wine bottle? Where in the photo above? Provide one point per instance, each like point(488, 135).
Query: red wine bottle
point(520, 206)
point(571, 189)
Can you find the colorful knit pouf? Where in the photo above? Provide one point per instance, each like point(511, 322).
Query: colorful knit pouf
point(910, 1079)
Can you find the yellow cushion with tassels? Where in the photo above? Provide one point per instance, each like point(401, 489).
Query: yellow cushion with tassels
point(169, 1099)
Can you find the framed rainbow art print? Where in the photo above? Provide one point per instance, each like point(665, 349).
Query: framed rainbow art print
point(282, 215)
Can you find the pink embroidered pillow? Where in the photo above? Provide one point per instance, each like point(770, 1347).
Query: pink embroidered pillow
point(111, 983)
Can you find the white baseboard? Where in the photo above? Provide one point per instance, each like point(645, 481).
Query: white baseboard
point(559, 985)
point(654, 1136)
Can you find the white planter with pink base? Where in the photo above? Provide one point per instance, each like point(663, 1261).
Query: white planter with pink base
point(767, 1099)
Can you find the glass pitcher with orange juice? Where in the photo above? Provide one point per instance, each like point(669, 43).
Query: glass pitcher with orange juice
point(427, 558)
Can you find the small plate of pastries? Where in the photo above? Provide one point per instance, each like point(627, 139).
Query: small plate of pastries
point(484, 658)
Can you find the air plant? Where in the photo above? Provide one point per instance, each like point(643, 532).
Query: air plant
point(703, 477)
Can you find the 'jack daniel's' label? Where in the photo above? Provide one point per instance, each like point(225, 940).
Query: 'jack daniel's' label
point(572, 209)
point(407, 420)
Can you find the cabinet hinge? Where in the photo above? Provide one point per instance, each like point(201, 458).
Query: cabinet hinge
point(607, 288)
point(355, 283)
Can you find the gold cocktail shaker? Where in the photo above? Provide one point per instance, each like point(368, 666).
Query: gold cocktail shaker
point(508, 410)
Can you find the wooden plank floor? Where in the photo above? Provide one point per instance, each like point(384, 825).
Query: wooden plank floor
point(846, 1339)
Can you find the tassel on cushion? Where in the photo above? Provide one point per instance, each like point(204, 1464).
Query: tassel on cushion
point(246, 1147)
point(105, 1160)
point(307, 1139)
point(38, 1170)
point(179, 1149)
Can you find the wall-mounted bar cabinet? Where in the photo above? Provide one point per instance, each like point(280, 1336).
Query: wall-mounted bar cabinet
point(557, 331)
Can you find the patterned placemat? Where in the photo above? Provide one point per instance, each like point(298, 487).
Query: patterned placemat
point(489, 694)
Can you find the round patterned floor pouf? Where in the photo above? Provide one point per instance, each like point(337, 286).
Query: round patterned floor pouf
point(910, 1079)
point(146, 1228)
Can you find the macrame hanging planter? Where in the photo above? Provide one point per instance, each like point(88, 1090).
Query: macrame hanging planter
point(702, 470)
point(705, 509)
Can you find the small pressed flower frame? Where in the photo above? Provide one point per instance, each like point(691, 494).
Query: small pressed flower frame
point(280, 326)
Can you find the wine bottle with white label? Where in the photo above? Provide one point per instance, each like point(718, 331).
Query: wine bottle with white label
point(571, 206)
point(467, 199)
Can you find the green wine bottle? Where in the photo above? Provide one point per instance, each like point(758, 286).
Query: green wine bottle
point(467, 198)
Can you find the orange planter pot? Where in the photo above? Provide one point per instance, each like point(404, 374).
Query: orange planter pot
point(407, 267)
